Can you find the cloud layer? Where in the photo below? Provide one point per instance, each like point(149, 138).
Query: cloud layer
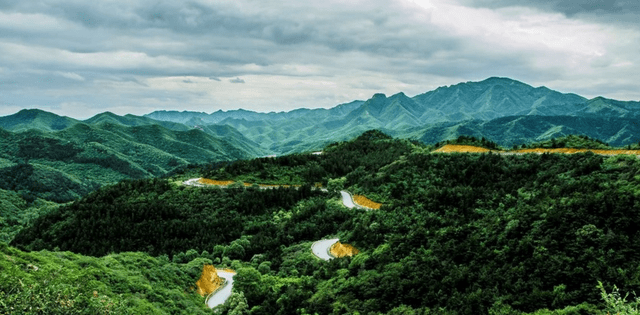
point(79, 58)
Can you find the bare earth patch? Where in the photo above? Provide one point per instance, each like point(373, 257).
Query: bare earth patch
point(209, 280)
point(207, 181)
point(341, 250)
point(366, 202)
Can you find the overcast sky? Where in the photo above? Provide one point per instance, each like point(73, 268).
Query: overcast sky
point(79, 58)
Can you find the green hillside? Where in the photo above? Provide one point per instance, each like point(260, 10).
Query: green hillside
point(518, 130)
point(48, 282)
point(66, 164)
point(16, 212)
point(506, 111)
point(35, 119)
point(132, 120)
point(572, 141)
point(457, 233)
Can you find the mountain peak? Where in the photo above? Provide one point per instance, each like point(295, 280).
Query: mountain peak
point(504, 82)
point(399, 94)
point(35, 119)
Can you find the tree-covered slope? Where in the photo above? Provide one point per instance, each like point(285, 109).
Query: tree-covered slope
point(18, 209)
point(132, 120)
point(35, 119)
point(517, 130)
point(74, 161)
point(493, 98)
point(48, 282)
point(457, 233)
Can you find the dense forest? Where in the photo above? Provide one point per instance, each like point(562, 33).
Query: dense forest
point(457, 234)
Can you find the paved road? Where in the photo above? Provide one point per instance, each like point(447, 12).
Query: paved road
point(347, 200)
point(321, 248)
point(193, 182)
point(223, 294)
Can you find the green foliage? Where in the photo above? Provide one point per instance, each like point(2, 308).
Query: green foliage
point(571, 141)
point(16, 212)
point(458, 234)
point(473, 141)
point(336, 184)
point(37, 181)
point(66, 283)
point(616, 303)
point(159, 218)
point(63, 165)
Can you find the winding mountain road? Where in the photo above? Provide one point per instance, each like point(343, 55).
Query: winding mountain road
point(321, 248)
point(347, 200)
point(223, 294)
point(193, 182)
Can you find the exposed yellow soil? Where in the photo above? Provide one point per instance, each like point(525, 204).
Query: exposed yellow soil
point(450, 148)
point(216, 182)
point(209, 280)
point(273, 185)
point(341, 250)
point(207, 181)
point(366, 202)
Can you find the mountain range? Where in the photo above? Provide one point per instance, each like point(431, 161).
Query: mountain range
point(106, 148)
point(504, 110)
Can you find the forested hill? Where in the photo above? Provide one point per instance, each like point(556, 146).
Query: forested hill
point(63, 165)
point(457, 233)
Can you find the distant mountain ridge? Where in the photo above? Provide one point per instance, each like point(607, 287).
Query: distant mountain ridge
point(441, 114)
point(505, 110)
point(43, 155)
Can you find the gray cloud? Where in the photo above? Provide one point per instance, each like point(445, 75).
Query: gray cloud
point(571, 7)
point(145, 52)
